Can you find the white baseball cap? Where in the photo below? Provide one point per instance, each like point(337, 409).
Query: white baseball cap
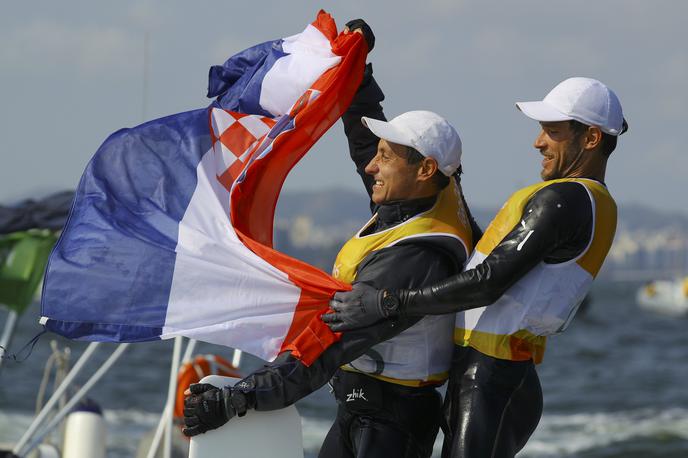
point(427, 132)
point(582, 99)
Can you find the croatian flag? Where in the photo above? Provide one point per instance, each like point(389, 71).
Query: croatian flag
point(171, 228)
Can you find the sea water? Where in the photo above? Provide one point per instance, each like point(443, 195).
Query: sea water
point(615, 385)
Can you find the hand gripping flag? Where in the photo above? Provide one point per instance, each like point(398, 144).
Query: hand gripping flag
point(170, 232)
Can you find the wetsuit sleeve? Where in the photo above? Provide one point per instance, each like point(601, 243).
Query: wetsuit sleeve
point(286, 380)
point(555, 226)
point(362, 142)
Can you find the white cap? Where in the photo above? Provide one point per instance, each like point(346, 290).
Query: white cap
point(582, 99)
point(427, 132)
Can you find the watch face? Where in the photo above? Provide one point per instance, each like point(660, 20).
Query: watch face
point(390, 302)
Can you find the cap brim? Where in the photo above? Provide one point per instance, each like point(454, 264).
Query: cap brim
point(542, 111)
point(386, 131)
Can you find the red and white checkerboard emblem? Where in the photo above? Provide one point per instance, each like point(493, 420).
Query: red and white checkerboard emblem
point(235, 137)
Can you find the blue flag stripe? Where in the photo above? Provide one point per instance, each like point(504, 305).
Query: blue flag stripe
point(238, 82)
point(125, 220)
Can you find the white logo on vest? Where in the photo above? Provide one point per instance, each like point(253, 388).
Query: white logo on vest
point(520, 245)
point(356, 394)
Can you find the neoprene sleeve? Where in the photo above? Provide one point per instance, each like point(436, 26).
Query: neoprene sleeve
point(555, 227)
point(362, 142)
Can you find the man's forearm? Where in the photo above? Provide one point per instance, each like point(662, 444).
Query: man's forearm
point(362, 142)
point(474, 288)
point(548, 223)
point(286, 380)
point(486, 282)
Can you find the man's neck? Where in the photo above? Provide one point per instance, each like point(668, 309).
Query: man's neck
point(392, 213)
point(595, 170)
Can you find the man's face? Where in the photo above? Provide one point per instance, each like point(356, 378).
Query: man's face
point(395, 178)
point(561, 148)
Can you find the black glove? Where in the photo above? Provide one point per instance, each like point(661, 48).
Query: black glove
point(209, 407)
point(361, 307)
point(365, 28)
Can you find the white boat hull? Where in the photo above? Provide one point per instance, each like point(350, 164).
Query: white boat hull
point(255, 435)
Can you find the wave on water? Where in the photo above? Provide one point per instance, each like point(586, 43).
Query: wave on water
point(556, 436)
point(568, 435)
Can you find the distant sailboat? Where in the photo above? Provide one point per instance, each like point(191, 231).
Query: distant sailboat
point(665, 296)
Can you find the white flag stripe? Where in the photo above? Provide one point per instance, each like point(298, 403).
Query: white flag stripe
point(309, 56)
point(311, 41)
point(237, 290)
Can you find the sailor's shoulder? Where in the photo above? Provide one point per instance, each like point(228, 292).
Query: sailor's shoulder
point(406, 265)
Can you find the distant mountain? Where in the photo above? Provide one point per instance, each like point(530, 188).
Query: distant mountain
point(326, 207)
point(312, 225)
point(334, 206)
point(634, 217)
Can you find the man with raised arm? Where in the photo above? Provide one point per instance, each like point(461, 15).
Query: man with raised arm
point(420, 233)
point(525, 280)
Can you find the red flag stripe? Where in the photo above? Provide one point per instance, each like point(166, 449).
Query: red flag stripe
point(253, 200)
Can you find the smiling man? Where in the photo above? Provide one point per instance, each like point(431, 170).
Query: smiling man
point(525, 280)
point(420, 233)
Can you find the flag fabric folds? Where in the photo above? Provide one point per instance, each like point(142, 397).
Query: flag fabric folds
point(171, 228)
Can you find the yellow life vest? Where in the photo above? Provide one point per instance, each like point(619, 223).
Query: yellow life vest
point(544, 300)
point(421, 354)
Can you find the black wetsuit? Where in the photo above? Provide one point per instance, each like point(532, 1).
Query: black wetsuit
point(388, 419)
point(493, 405)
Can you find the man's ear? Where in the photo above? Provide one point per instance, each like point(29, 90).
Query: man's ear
point(593, 138)
point(428, 168)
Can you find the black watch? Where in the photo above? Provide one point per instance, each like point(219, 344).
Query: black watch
point(389, 304)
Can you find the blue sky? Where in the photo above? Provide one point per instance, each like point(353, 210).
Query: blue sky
point(71, 72)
